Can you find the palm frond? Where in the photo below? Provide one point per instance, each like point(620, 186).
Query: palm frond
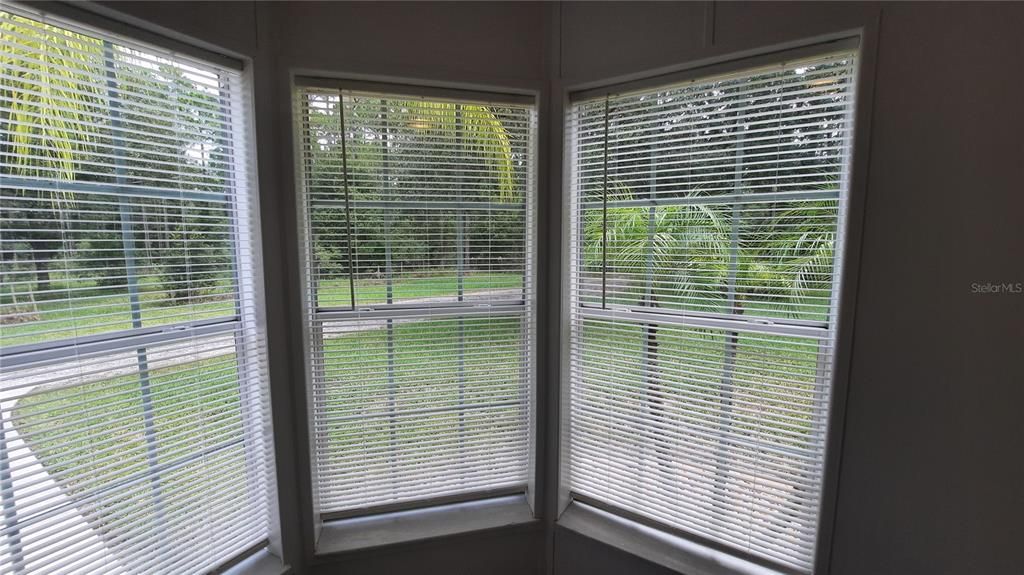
point(51, 101)
point(482, 132)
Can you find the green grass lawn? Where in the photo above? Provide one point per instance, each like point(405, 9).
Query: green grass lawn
point(94, 436)
point(777, 374)
point(336, 292)
point(86, 309)
point(96, 310)
point(425, 373)
point(92, 439)
point(421, 401)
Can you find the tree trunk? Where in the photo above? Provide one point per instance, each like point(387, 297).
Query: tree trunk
point(42, 274)
point(655, 395)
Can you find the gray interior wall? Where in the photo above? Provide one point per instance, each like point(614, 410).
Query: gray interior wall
point(931, 478)
point(229, 25)
point(580, 554)
point(507, 551)
point(932, 474)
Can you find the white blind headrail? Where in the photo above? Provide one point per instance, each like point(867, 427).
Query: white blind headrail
point(418, 216)
point(707, 225)
point(133, 404)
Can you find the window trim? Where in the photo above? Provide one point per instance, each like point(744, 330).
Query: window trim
point(259, 562)
point(864, 40)
point(436, 515)
point(681, 553)
point(425, 91)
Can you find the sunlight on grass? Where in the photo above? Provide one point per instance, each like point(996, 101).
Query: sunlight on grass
point(336, 292)
point(99, 445)
point(94, 310)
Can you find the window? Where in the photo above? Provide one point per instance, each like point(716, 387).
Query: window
point(706, 232)
point(418, 219)
point(132, 358)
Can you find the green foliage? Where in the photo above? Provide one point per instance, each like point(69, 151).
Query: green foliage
point(687, 245)
point(480, 132)
point(690, 247)
point(55, 108)
point(46, 113)
point(472, 155)
point(194, 263)
point(49, 103)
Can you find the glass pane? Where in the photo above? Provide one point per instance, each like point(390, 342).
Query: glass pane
point(690, 413)
point(86, 264)
point(81, 230)
point(442, 399)
point(128, 448)
point(437, 198)
point(758, 259)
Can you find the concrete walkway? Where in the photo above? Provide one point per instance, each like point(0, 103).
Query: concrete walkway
point(47, 515)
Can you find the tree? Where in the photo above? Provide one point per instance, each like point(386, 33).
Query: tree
point(60, 112)
point(50, 101)
point(383, 140)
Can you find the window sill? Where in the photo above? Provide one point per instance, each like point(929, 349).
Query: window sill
point(360, 533)
point(260, 563)
point(656, 546)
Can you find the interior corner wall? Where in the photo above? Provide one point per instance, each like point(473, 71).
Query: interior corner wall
point(931, 474)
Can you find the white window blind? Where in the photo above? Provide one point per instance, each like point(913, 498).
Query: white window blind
point(706, 233)
point(132, 361)
point(418, 219)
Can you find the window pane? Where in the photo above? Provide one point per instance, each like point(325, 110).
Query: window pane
point(707, 223)
point(419, 214)
point(440, 410)
point(87, 264)
point(757, 259)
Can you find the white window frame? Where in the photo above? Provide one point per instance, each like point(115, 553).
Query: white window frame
point(264, 557)
point(660, 544)
point(426, 518)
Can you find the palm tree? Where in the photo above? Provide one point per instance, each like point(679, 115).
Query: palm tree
point(712, 258)
point(478, 129)
point(382, 139)
point(692, 256)
point(49, 100)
